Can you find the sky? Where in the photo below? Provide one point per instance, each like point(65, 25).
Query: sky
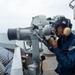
point(19, 13)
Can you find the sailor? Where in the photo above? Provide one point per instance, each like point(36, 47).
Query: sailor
point(64, 47)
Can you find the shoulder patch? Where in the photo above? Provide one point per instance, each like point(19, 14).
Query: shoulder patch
point(71, 48)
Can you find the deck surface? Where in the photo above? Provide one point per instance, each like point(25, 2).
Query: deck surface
point(49, 65)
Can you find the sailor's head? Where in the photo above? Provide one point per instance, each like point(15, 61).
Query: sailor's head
point(62, 26)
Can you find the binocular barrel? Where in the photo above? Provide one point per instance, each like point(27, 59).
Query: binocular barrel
point(19, 34)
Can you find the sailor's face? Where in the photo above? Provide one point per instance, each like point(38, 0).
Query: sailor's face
point(59, 31)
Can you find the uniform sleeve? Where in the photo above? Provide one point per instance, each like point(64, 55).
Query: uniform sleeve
point(68, 60)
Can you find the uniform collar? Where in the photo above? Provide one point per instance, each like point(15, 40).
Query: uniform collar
point(70, 36)
point(65, 39)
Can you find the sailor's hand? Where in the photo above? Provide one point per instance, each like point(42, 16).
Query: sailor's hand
point(52, 42)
